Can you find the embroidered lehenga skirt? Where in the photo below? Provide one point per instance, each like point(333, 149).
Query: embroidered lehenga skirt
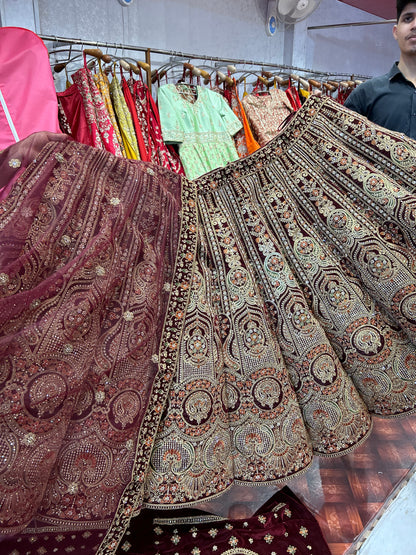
point(164, 339)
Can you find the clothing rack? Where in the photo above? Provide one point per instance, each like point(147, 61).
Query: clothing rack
point(185, 55)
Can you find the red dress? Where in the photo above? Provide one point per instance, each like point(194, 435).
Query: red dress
point(100, 132)
point(148, 115)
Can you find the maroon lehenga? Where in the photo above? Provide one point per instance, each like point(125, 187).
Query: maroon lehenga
point(163, 339)
point(281, 525)
point(88, 249)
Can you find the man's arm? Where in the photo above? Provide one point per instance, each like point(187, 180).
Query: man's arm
point(357, 100)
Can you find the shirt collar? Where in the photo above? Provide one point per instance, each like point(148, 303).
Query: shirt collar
point(395, 73)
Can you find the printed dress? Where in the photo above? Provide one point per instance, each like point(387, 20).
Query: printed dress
point(266, 112)
point(156, 150)
point(203, 128)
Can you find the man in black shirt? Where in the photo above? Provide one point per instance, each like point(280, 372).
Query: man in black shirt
point(390, 100)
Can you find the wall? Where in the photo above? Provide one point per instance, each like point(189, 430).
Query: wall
point(223, 28)
point(366, 50)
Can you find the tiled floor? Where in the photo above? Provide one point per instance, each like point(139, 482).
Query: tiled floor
point(344, 493)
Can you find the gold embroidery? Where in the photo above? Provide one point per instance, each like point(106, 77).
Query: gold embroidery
point(29, 439)
point(15, 163)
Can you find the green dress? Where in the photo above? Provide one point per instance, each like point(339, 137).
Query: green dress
point(202, 126)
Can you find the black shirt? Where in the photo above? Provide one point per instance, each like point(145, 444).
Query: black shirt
point(388, 100)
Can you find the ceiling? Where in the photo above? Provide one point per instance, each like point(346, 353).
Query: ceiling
point(382, 8)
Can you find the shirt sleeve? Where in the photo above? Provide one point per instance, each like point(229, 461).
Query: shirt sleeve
point(170, 118)
point(356, 101)
point(230, 121)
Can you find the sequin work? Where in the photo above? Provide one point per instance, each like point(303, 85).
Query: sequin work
point(301, 321)
point(164, 338)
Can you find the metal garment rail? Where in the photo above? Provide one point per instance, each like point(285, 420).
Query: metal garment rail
point(187, 55)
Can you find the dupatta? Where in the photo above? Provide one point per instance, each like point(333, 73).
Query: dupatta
point(90, 245)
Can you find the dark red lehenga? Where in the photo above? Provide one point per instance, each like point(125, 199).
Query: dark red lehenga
point(163, 339)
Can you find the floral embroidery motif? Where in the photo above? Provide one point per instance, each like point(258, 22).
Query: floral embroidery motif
point(213, 532)
point(73, 488)
point(15, 163)
point(29, 439)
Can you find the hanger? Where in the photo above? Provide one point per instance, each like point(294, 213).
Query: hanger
point(302, 82)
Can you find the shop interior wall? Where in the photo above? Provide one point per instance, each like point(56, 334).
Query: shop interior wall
point(223, 28)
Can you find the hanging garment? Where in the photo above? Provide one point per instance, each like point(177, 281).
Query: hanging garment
point(203, 129)
point(281, 525)
point(124, 119)
point(72, 116)
point(103, 85)
point(266, 112)
point(128, 97)
point(148, 114)
point(163, 338)
point(244, 141)
point(24, 108)
point(293, 96)
point(304, 95)
point(100, 128)
point(252, 144)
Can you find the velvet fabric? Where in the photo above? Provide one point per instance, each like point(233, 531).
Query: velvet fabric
point(282, 525)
